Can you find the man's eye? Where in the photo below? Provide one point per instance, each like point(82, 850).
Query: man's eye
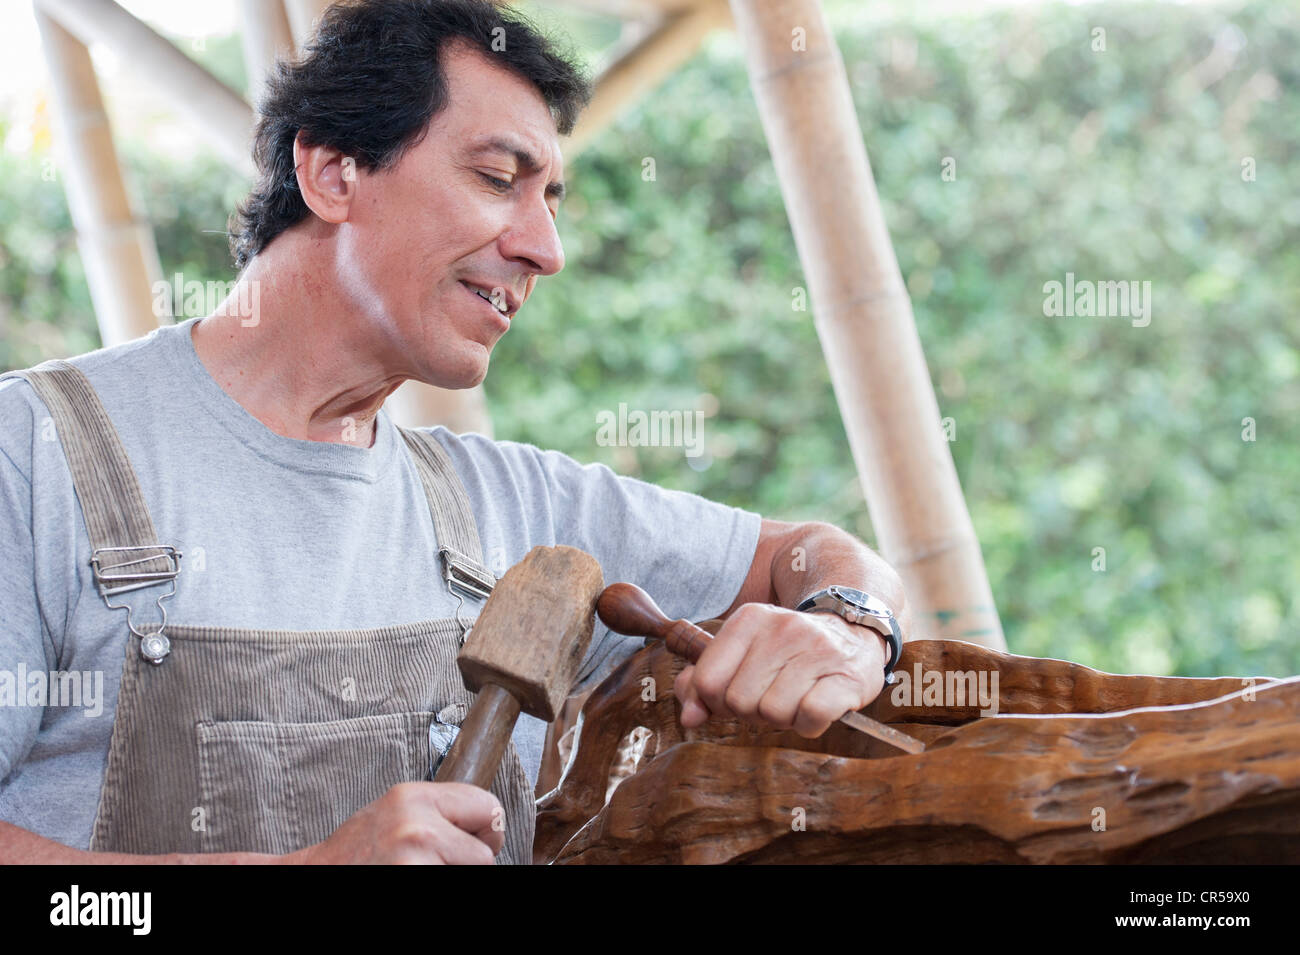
point(501, 185)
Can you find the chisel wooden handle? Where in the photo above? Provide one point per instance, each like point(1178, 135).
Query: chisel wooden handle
point(627, 609)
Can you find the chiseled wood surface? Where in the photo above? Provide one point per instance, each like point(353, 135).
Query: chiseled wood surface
point(1182, 770)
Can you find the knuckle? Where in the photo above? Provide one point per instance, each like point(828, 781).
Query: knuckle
point(416, 837)
point(709, 686)
point(759, 613)
point(736, 701)
point(769, 712)
point(473, 795)
point(407, 791)
point(466, 796)
point(748, 615)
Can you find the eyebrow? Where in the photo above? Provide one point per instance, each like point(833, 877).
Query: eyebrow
point(522, 156)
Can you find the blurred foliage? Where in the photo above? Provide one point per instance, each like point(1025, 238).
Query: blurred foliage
point(1071, 433)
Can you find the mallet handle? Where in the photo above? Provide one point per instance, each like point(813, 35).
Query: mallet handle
point(476, 754)
point(627, 609)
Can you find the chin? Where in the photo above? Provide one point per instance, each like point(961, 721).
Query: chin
point(482, 357)
point(468, 373)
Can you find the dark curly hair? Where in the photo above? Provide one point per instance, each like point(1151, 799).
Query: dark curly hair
point(368, 84)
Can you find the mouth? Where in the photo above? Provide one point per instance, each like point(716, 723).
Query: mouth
point(501, 302)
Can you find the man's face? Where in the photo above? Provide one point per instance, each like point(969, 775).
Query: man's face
point(421, 237)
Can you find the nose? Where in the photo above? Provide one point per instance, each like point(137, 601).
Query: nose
point(533, 241)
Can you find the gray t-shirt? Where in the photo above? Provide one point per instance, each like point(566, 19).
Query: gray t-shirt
point(280, 533)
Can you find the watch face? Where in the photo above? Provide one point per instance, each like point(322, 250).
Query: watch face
point(860, 601)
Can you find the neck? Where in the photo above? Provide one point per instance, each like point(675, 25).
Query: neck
point(290, 349)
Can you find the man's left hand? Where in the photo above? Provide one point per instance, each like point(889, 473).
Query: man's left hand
point(777, 667)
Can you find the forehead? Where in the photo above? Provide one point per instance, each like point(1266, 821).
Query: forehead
point(489, 108)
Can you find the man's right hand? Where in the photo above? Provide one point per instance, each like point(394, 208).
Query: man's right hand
point(438, 823)
point(416, 824)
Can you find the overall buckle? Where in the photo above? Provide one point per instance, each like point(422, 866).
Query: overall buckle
point(127, 575)
point(461, 575)
point(463, 580)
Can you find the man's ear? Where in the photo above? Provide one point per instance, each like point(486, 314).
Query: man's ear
point(327, 179)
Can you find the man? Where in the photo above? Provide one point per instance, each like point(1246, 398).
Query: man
point(410, 178)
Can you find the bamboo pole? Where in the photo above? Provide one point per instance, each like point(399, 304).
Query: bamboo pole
point(266, 37)
point(215, 110)
point(643, 67)
point(303, 15)
point(864, 319)
point(117, 248)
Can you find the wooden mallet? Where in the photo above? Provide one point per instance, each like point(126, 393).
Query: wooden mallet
point(523, 653)
point(627, 609)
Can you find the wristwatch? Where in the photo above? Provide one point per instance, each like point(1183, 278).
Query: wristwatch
point(861, 608)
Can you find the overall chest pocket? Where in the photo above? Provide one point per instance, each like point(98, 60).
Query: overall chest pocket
point(278, 787)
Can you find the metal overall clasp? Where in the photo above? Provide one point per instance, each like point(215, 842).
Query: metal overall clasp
point(124, 575)
point(463, 579)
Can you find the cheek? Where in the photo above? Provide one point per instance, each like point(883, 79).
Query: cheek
point(399, 248)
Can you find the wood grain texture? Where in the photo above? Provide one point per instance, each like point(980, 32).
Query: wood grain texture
point(535, 629)
point(1181, 770)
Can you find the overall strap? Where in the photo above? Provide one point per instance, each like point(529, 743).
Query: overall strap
point(459, 547)
point(125, 551)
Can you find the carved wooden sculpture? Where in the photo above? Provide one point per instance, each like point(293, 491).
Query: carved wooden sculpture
point(1075, 766)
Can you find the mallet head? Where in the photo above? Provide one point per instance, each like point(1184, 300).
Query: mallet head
point(535, 629)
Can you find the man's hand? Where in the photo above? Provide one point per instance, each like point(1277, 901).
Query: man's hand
point(416, 823)
point(790, 670)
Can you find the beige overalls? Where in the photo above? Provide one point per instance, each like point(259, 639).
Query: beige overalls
point(229, 739)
